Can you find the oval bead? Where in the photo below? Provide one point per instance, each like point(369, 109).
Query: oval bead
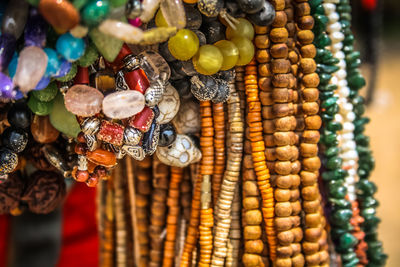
point(173, 12)
point(61, 14)
point(169, 105)
point(70, 47)
point(63, 120)
point(83, 100)
point(102, 157)
point(32, 63)
point(123, 104)
point(42, 130)
point(14, 18)
point(6, 87)
point(122, 31)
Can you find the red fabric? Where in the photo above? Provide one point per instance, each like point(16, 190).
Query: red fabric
point(4, 237)
point(369, 4)
point(79, 234)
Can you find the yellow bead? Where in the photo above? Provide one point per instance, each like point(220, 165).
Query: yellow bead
point(184, 45)
point(208, 60)
point(243, 29)
point(246, 50)
point(160, 20)
point(230, 53)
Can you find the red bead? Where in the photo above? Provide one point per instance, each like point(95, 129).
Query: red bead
point(100, 171)
point(81, 137)
point(81, 176)
point(81, 149)
point(142, 121)
point(111, 132)
point(93, 180)
point(137, 80)
point(82, 76)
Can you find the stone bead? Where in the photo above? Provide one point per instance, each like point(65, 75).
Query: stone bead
point(32, 63)
point(120, 30)
point(188, 118)
point(6, 87)
point(123, 104)
point(42, 130)
point(142, 120)
point(83, 100)
point(63, 120)
point(203, 87)
point(38, 107)
point(265, 16)
point(155, 66)
point(14, 139)
point(8, 160)
point(102, 157)
point(169, 105)
point(36, 30)
point(61, 14)
point(14, 18)
point(69, 47)
point(174, 13)
point(107, 45)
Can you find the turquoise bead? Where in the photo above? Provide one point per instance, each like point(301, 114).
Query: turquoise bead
point(69, 47)
point(347, 241)
point(95, 11)
point(53, 62)
point(12, 67)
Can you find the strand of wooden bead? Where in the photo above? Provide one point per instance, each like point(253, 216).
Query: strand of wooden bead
point(229, 182)
point(287, 165)
point(121, 247)
point(258, 154)
point(232, 258)
point(219, 148)
point(315, 237)
point(143, 175)
point(158, 211)
point(206, 223)
point(173, 216)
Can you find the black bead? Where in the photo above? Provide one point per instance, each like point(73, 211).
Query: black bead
point(15, 139)
point(232, 7)
point(167, 134)
point(164, 52)
point(210, 8)
point(251, 6)
point(214, 31)
point(156, 111)
point(8, 160)
point(150, 138)
point(223, 92)
point(226, 75)
point(265, 16)
point(193, 18)
point(201, 36)
point(203, 87)
point(183, 88)
point(20, 116)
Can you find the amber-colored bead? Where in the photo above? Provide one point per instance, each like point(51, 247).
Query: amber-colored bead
point(102, 157)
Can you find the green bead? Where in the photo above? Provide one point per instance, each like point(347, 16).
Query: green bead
point(319, 10)
point(353, 56)
point(89, 57)
point(366, 188)
point(314, 3)
point(107, 45)
point(320, 24)
point(39, 107)
point(322, 41)
point(328, 87)
point(334, 126)
point(369, 202)
point(118, 3)
point(332, 110)
point(47, 94)
point(33, 2)
point(95, 11)
point(362, 140)
point(332, 61)
point(347, 241)
point(184, 45)
point(78, 4)
point(340, 203)
point(336, 189)
point(334, 163)
point(324, 78)
point(356, 81)
point(329, 102)
point(332, 151)
point(208, 60)
point(337, 174)
point(341, 216)
point(348, 257)
point(63, 120)
point(70, 75)
point(329, 139)
point(327, 68)
point(325, 95)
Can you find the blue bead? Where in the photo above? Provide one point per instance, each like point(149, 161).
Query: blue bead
point(53, 62)
point(64, 68)
point(6, 87)
point(12, 67)
point(70, 47)
point(19, 95)
point(42, 83)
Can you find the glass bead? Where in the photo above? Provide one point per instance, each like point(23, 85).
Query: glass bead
point(14, 139)
point(83, 100)
point(61, 14)
point(121, 30)
point(42, 83)
point(107, 45)
point(12, 67)
point(230, 54)
point(14, 18)
point(69, 47)
point(243, 29)
point(160, 20)
point(167, 135)
point(95, 11)
point(155, 66)
point(123, 104)
point(184, 45)
point(19, 116)
point(208, 60)
point(173, 13)
point(137, 80)
point(42, 130)
point(246, 50)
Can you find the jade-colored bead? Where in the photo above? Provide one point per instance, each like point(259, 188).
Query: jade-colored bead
point(332, 110)
point(47, 94)
point(70, 75)
point(341, 216)
point(329, 102)
point(337, 174)
point(347, 241)
point(329, 139)
point(89, 57)
point(352, 263)
point(246, 50)
point(356, 81)
point(328, 87)
point(324, 78)
point(345, 16)
point(230, 53)
point(348, 257)
point(337, 190)
point(118, 3)
point(243, 29)
point(314, 3)
point(355, 64)
point(332, 151)
point(39, 107)
point(351, 57)
point(359, 109)
point(320, 23)
point(78, 4)
point(107, 45)
point(33, 2)
point(348, 49)
point(327, 68)
point(371, 222)
point(326, 95)
point(369, 202)
point(334, 163)
point(319, 10)
point(332, 61)
point(208, 60)
point(184, 45)
point(95, 11)
point(340, 203)
point(322, 40)
point(366, 188)
point(362, 140)
point(343, 8)
point(334, 126)
point(63, 120)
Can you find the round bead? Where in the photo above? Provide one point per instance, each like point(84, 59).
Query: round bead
point(184, 45)
point(223, 91)
point(167, 134)
point(208, 60)
point(95, 11)
point(47, 94)
point(251, 6)
point(229, 52)
point(265, 16)
point(243, 29)
point(8, 160)
point(246, 50)
point(53, 62)
point(203, 87)
point(14, 139)
point(70, 47)
point(19, 116)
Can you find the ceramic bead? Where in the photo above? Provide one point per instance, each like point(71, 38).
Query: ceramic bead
point(169, 105)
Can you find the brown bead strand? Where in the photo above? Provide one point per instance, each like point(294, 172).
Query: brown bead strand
point(229, 181)
point(143, 175)
point(254, 122)
point(315, 237)
point(232, 258)
point(158, 211)
point(219, 148)
point(206, 223)
point(173, 216)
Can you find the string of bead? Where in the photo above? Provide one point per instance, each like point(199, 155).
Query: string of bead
point(219, 148)
point(229, 182)
point(158, 211)
point(206, 223)
point(315, 237)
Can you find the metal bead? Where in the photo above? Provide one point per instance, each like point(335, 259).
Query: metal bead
point(154, 93)
point(118, 151)
point(8, 160)
point(54, 157)
point(82, 163)
point(135, 152)
point(91, 142)
point(203, 87)
point(132, 136)
point(131, 63)
point(120, 81)
point(90, 126)
point(150, 138)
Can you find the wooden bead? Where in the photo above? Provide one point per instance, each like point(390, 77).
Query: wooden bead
point(279, 35)
point(280, 19)
point(308, 51)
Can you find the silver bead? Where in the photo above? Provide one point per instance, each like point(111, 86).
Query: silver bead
point(91, 142)
point(131, 63)
point(154, 93)
point(119, 153)
point(132, 136)
point(135, 152)
point(120, 82)
point(82, 163)
point(54, 158)
point(90, 126)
